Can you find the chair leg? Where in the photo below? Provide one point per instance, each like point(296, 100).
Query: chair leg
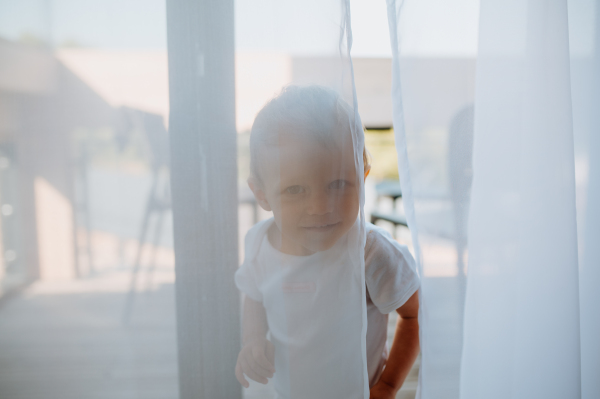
point(155, 244)
point(150, 207)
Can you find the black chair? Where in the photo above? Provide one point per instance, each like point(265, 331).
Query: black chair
point(389, 189)
point(158, 202)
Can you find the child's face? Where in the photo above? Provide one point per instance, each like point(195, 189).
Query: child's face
point(312, 192)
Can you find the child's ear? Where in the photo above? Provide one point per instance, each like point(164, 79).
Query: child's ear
point(367, 172)
point(259, 194)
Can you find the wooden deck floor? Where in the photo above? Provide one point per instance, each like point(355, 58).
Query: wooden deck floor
point(67, 341)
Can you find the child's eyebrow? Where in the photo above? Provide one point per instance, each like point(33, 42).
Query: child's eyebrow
point(293, 178)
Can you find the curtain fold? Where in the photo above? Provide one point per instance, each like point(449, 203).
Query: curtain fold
point(529, 326)
point(590, 261)
point(521, 336)
point(301, 154)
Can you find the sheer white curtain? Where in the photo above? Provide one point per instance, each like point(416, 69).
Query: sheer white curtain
point(523, 334)
point(298, 127)
point(432, 94)
point(585, 78)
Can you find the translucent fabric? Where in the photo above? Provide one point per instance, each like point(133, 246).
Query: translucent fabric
point(519, 278)
point(495, 154)
point(303, 270)
point(223, 199)
point(584, 27)
point(87, 266)
point(433, 96)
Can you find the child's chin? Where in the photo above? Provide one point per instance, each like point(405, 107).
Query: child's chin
point(321, 244)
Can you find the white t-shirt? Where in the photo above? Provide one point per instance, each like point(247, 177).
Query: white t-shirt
point(314, 310)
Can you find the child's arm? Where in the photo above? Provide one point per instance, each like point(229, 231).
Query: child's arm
point(403, 353)
point(257, 355)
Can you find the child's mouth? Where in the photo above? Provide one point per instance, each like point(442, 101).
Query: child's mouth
point(322, 228)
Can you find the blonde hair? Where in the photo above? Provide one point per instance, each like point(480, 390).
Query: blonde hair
point(315, 111)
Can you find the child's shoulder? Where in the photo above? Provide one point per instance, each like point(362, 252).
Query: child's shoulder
point(255, 237)
point(390, 270)
point(382, 248)
point(377, 235)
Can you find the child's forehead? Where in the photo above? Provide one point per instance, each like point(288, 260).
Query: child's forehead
point(296, 159)
point(307, 139)
point(309, 148)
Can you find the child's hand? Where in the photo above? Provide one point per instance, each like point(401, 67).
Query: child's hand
point(256, 360)
point(382, 390)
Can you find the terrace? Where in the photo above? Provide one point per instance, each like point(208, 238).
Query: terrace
point(70, 326)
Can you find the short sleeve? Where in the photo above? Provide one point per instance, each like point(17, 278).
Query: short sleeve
point(246, 281)
point(389, 271)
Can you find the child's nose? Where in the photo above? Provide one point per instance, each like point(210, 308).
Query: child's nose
point(320, 204)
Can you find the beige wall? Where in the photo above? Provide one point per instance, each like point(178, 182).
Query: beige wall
point(41, 103)
point(54, 213)
point(26, 70)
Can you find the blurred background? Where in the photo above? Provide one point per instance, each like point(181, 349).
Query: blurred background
point(86, 248)
point(88, 267)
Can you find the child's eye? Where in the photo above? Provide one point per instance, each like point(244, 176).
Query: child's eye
point(338, 184)
point(294, 190)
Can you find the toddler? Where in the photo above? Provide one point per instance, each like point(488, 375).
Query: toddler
point(307, 301)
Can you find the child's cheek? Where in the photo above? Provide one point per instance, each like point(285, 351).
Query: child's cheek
point(350, 204)
point(291, 213)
